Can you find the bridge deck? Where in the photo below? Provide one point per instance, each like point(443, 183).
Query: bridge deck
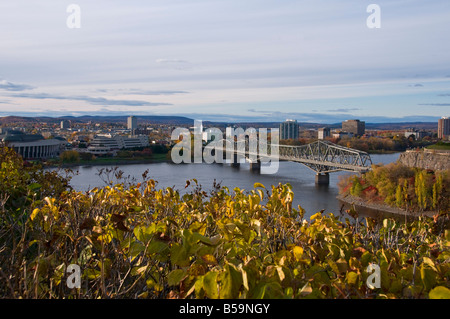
point(320, 156)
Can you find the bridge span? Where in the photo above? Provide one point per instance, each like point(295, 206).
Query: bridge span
point(323, 157)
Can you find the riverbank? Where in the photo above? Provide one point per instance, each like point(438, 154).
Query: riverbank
point(380, 209)
point(110, 161)
point(426, 159)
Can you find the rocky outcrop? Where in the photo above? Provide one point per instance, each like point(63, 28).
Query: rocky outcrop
point(426, 159)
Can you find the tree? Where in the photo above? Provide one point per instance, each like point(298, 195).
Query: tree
point(356, 187)
point(70, 157)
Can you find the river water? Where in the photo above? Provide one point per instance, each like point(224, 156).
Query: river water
point(307, 194)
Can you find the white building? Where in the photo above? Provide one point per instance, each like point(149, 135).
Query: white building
point(106, 143)
point(323, 132)
point(342, 134)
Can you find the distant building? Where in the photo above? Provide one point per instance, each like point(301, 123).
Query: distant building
point(65, 125)
point(356, 127)
point(418, 134)
point(342, 134)
point(444, 128)
point(105, 144)
point(32, 146)
point(323, 133)
point(289, 130)
point(132, 123)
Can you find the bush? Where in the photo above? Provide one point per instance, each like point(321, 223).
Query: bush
point(144, 242)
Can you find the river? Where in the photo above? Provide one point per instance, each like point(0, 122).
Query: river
point(307, 194)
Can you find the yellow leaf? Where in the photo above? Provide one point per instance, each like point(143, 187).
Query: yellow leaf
point(209, 259)
point(34, 213)
point(298, 252)
point(440, 292)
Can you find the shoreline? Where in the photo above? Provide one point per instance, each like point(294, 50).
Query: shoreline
point(106, 163)
point(381, 207)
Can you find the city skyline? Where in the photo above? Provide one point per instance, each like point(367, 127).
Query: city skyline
point(227, 61)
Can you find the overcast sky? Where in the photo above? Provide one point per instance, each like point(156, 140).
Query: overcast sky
point(314, 61)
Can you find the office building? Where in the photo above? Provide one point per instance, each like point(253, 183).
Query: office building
point(356, 127)
point(342, 135)
point(108, 144)
point(444, 128)
point(323, 133)
point(417, 134)
point(65, 125)
point(132, 123)
point(289, 130)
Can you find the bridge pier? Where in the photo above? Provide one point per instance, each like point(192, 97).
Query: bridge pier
point(235, 161)
point(323, 179)
point(255, 166)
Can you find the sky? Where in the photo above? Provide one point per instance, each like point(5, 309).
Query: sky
point(227, 60)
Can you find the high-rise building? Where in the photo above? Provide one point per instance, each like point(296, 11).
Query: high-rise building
point(444, 127)
point(132, 123)
point(323, 132)
point(356, 127)
point(65, 125)
point(289, 130)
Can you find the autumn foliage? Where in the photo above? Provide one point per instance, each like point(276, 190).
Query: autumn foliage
point(138, 241)
point(411, 189)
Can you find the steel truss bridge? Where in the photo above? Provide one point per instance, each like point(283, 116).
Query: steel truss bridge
point(321, 156)
point(326, 157)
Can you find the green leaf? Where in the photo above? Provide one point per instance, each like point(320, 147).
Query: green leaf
point(440, 292)
point(179, 256)
point(352, 278)
point(156, 247)
point(135, 249)
point(271, 290)
point(428, 261)
point(34, 186)
point(144, 233)
point(428, 277)
point(366, 258)
point(176, 276)
point(210, 285)
point(231, 282)
point(92, 273)
point(198, 237)
point(342, 265)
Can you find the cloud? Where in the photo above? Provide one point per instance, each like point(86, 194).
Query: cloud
point(444, 94)
point(88, 99)
point(171, 61)
point(435, 104)
point(9, 86)
point(344, 110)
point(323, 118)
point(142, 92)
point(176, 64)
point(416, 85)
